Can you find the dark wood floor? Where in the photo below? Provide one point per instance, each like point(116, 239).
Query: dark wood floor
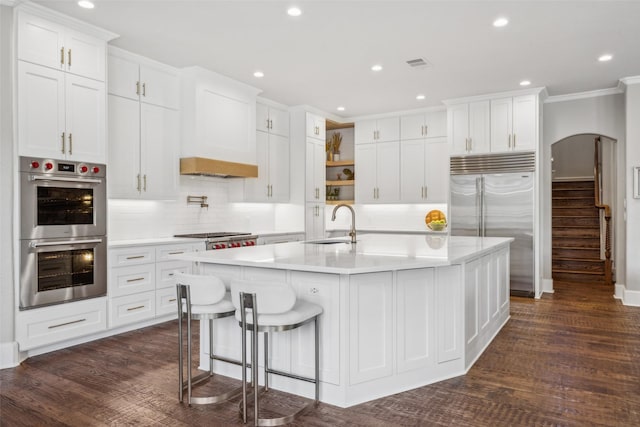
point(572, 358)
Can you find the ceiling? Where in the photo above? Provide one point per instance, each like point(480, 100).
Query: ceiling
point(323, 58)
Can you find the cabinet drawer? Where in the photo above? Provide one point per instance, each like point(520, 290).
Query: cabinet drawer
point(164, 272)
point(131, 256)
point(166, 302)
point(132, 308)
point(42, 326)
point(133, 279)
point(163, 252)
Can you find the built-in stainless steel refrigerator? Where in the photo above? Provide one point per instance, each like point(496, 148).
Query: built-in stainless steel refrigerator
point(498, 205)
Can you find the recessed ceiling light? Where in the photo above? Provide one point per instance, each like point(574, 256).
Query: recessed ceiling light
point(341, 108)
point(605, 58)
point(500, 22)
point(376, 67)
point(294, 11)
point(420, 97)
point(86, 4)
point(525, 83)
point(258, 74)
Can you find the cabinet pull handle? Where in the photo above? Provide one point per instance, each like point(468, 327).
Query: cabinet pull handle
point(426, 192)
point(69, 61)
point(144, 89)
point(514, 140)
point(70, 143)
point(470, 144)
point(62, 55)
point(135, 257)
point(138, 88)
point(173, 300)
point(426, 130)
point(176, 253)
point(63, 147)
point(268, 124)
point(67, 323)
point(509, 143)
point(144, 179)
point(137, 279)
point(139, 185)
point(135, 308)
point(313, 291)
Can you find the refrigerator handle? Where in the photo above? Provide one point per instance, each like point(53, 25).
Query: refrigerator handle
point(482, 210)
point(478, 206)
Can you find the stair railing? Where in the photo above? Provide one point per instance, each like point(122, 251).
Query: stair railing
point(597, 175)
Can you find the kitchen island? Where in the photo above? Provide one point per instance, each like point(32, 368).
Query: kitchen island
point(400, 311)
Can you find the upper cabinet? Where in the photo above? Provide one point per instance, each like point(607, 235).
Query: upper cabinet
point(377, 172)
point(272, 120)
point(424, 171)
point(424, 125)
point(377, 130)
point(316, 126)
point(143, 80)
point(218, 117)
point(60, 86)
point(514, 123)
point(495, 123)
point(55, 45)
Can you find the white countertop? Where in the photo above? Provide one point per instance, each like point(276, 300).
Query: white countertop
point(152, 241)
point(372, 253)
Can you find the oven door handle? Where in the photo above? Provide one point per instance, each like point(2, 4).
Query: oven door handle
point(64, 242)
point(65, 179)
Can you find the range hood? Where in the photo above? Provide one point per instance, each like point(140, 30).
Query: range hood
point(213, 167)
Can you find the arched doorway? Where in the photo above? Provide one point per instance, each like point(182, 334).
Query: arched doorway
point(579, 229)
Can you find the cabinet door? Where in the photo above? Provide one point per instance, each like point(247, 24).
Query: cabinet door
point(388, 172)
point(40, 41)
point(316, 127)
point(412, 170)
point(159, 143)
point(279, 168)
point(85, 55)
point(370, 327)
point(458, 123)
point(256, 189)
point(279, 122)
point(85, 119)
point(501, 124)
point(436, 171)
point(479, 127)
point(388, 129)
point(314, 221)
point(412, 127)
point(124, 77)
point(160, 86)
point(435, 124)
point(525, 123)
point(315, 170)
point(364, 131)
point(262, 117)
point(124, 147)
point(40, 111)
point(365, 173)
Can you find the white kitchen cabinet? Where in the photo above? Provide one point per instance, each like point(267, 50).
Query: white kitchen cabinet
point(314, 221)
point(272, 120)
point(56, 46)
point(424, 170)
point(272, 183)
point(143, 150)
point(449, 297)
point(378, 130)
point(377, 171)
point(315, 170)
point(424, 125)
point(316, 127)
point(132, 279)
point(514, 123)
point(60, 115)
point(371, 350)
point(469, 127)
point(139, 78)
point(132, 308)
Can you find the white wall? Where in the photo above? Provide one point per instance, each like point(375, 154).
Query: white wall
point(601, 115)
point(633, 205)
point(573, 157)
point(7, 160)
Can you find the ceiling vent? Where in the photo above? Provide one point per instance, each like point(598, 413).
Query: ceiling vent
point(418, 63)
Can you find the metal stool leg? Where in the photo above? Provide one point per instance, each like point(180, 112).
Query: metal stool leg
point(180, 344)
point(266, 361)
point(317, 351)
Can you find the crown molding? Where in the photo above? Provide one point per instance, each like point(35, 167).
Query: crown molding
point(9, 3)
point(540, 91)
point(631, 80)
point(583, 95)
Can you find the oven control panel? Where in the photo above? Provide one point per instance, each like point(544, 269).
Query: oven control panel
point(62, 167)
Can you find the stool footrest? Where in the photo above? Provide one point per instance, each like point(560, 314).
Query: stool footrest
point(216, 399)
point(196, 380)
point(279, 420)
point(288, 375)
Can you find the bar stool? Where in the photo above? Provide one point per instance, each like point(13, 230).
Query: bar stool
point(279, 310)
point(201, 298)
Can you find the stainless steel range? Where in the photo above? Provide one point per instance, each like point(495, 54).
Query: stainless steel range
point(224, 240)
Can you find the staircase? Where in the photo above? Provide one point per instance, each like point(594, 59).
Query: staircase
point(576, 234)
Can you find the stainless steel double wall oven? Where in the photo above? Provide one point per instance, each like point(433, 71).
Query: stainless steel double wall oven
point(63, 224)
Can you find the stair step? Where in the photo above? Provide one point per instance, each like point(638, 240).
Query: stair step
point(573, 184)
point(588, 243)
point(572, 192)
point(575, 253)
point(573, 211)
point(575, 221)
point(577, 277)
point(580, 266)
point(577, 202)
point(575, 232)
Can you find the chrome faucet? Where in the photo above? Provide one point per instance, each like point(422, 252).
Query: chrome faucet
point(352, 232)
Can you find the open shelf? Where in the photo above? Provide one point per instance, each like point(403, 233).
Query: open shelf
point(340, 163)
point(337, 202)
point(341, 182)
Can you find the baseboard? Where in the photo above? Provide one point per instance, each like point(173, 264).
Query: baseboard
point(619, 291)
point(631, 298)
point(9, 355)
point(547, 286)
